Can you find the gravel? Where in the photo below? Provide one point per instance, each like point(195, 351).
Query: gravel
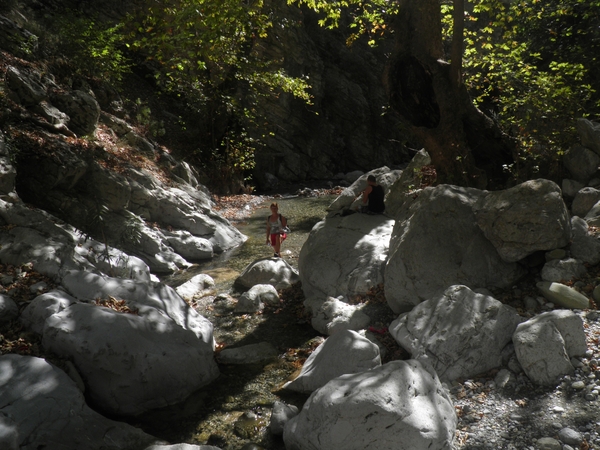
point(504, 410)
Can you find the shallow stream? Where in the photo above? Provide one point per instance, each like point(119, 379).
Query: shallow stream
point(233, 412)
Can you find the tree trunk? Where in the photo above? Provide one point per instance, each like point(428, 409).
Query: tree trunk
point(465, 146)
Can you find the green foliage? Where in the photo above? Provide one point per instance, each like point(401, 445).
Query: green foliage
point(143, 116)
point(532, 65)
point(209, 53)
point(365, 18)
point(231, 161)
point(96, 49)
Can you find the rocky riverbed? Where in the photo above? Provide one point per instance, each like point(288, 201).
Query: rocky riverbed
point(496, 410)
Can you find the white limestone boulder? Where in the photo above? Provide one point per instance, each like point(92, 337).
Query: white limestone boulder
point(436, 243)
point(141, 296)
point(41, 407)
point(255, 299)
point(581, 162)
point(281, 415)
point(342, 353)
point(130, 363)
point(589, 132)
point(274, 271)
point(570, 188)
point(156, 355)
point(584, 246)
point(563, 270)
point(398, 406)
point(529, 217)
point(461, 333)
point(584, 201)
point(190, 247)
point(54, 247)
point(545, 344)
point(43, 306)
point(408, 182)
point(385, 177)
point(344, 255)
point(198, 286)
point(334, 315)
point(563, 295)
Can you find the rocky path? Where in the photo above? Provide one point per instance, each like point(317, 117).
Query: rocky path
point(499, 411)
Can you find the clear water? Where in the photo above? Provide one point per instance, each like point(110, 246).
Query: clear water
point(302, 214)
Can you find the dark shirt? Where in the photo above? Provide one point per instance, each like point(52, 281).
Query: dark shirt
point(376, 204)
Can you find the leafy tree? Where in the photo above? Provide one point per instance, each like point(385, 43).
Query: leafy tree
point(533, 66)
point(466, 146)
point(93, 47)
point(207, 52)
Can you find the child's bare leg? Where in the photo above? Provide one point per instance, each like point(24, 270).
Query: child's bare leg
point(277, 246)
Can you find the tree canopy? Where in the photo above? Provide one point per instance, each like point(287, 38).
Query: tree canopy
point(530, 66)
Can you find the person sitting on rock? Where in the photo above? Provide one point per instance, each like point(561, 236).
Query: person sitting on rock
point(372, 197)
point(275, 225)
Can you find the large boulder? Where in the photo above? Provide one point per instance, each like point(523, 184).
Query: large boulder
point(436, 243)
point(589, 132)
point(145, 350)
point(25, 87)
point(344, 255)
point(256, 297)
point(198, 286)
point(385, 177)
point(342, 353)
point(461, 333)
point(192, 248)
point(563, 270)
point(545, 345)
point(274, 271)
point(584, 201)
point(398, 406)
point(130, 362)
point(521, 220)
point(582, 163)
point(128, 210)
point(334, 315)
point(141, 296)
point(41, 407)
point(409, 181)
point(584, 246)
point(43, 306)
point(81, 107)
point(54, 248)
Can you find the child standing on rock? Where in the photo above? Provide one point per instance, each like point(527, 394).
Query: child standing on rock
point(275, 225)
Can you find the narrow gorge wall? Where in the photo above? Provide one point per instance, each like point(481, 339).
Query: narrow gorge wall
point(348, 127)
